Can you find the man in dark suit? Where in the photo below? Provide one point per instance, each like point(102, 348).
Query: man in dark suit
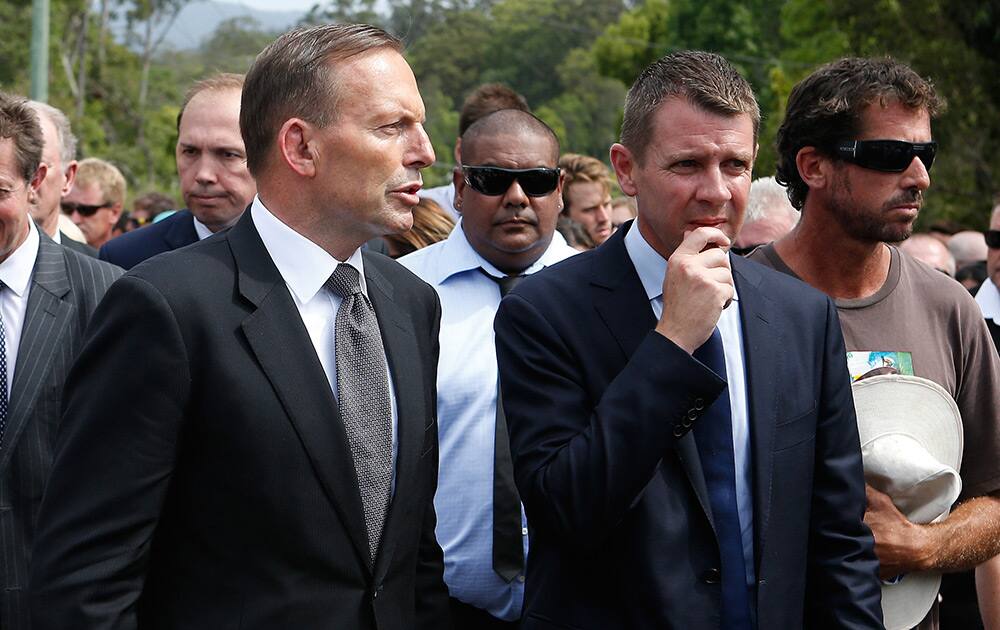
point(683, 432)
point(269, 459)
point(59, 156)
point(212, 170)
point(47, 294)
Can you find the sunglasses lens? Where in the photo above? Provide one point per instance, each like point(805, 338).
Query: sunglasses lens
point(538, 182)
point(494, 181)
point(68, 207)
point(993, 239)
point(489, 181)
point(893, 156)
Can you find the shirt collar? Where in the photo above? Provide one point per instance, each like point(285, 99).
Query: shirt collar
point(458, 256)
point(201, 229)
point(988, 298)
point(15, 272)
point(648, 263)
point(304, 265)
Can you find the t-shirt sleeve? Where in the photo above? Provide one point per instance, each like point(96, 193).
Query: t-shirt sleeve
point(979, 403)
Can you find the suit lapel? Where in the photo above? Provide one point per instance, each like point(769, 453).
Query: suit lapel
point(404, 360)
point(762, 361)
point(620, 299)
point(282, 345)
point(45, 321)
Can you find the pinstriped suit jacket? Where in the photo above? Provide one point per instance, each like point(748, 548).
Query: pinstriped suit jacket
point(65, 289)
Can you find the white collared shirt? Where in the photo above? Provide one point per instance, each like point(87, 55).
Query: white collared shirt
point(305, 268)
point(652, 268)
point(988, 298)
point(467, 398)
point(201, 229)
point(15, 273)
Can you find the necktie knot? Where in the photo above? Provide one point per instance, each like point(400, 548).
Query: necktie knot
point(344, 281)
point(506, 283)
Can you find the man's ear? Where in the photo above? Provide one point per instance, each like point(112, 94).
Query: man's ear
point(36, 181)
point(815, 169)
point(624, 164)
point(458, 178)
point(296, 142)
point(70, 177)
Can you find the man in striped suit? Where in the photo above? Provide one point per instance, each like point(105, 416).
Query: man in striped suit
point(47, 293)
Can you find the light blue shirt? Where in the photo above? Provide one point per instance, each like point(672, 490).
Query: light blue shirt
point(467, 397)
point(652, 268)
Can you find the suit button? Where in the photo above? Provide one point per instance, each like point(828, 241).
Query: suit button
point(679, 430)
point(711, 576)
point(687, 422)
point(699, 403)
point(692, 414)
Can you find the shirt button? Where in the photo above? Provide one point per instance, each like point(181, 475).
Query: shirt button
point(524, 531)
point(520, 579)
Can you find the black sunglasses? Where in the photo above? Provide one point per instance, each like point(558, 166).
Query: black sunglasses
point(890, 156)
point(69, 207)
point(992, 238)
point(493, 180)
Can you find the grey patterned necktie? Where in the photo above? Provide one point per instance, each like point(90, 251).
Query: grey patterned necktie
point(363, 397)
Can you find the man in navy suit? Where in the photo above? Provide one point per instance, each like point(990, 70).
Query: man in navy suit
point(681, 420)
point(212, 167)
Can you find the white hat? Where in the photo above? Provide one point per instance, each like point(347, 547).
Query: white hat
point(911, 444)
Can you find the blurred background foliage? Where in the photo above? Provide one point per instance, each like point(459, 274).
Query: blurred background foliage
point(572, 59)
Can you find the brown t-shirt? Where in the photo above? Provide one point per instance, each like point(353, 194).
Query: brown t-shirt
point(921, 311)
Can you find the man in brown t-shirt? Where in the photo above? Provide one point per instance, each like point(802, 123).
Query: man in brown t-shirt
point(854, 150)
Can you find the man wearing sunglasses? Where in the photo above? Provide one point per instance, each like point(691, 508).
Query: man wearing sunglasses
point(855, 152)
point(680, 418)
point(508, 194)
point(96, 200)
point(988, 296)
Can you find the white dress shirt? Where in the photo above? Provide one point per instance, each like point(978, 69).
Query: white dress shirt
point(467, 397)
point(201, 229)
point(652, 268)
point(305, 268)
point(15, 273)
point(988, 298)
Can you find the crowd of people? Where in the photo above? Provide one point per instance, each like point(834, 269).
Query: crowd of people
point(657, 395)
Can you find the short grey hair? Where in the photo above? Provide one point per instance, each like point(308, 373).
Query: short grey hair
point(67, 141)
point(289, 80)
point(769, 199)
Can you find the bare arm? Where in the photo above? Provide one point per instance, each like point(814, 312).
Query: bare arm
point(988, 589)
point(968, 537)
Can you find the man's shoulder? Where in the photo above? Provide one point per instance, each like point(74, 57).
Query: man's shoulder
point(144, 242)
point(424, 261)
point(401, 276)
point(566, 280)
point(77, 246)
point(937, 288)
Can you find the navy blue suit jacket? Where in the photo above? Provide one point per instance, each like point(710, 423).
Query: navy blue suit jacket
point(131, 248)
point(600, 407)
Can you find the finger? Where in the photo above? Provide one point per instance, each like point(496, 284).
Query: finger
point(695, 241)
point(713, 258)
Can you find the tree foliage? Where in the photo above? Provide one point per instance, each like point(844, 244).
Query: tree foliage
point(572, 59)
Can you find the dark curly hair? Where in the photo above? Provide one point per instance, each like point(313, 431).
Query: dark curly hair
point(825, 108)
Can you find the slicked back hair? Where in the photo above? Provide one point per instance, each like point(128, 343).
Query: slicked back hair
point(291, 79)
point(214, 83)
point(486, 99)
point(64, 133)
point(19, 123)
point(705, 79)
point(826, 108)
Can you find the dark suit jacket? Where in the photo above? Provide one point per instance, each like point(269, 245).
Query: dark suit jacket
point(65, 290)
point(131, 248)
point(600, 408)
point(77, 246)
point(213, 486)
